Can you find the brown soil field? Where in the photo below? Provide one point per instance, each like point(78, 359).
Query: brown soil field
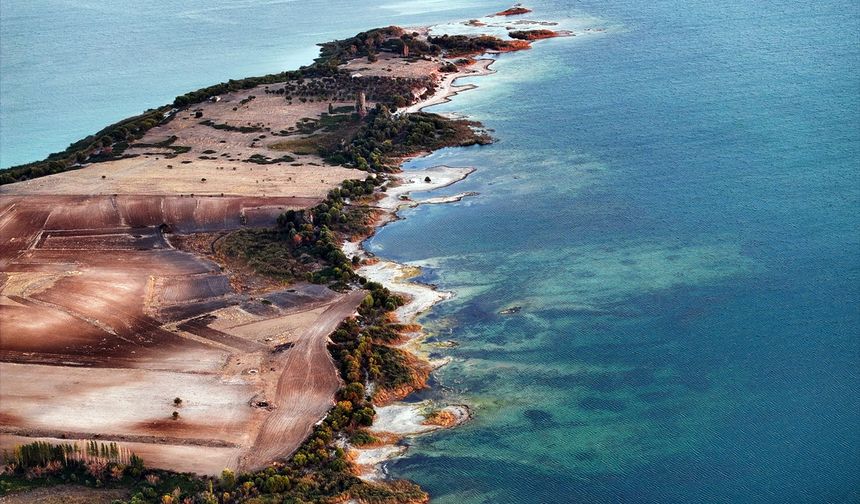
point(22, 218)
point(66, 494)
point(93, 384)
point(103, 322)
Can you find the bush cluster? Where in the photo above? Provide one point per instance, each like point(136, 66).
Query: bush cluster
point(460, 45)
point(305, 244)
point(384, 137)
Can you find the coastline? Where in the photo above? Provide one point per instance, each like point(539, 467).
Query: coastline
point(447, 88)
point(376, 350)
point(399, 420)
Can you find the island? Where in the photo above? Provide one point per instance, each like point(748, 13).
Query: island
point(186, 312)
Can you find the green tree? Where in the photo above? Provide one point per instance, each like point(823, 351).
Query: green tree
point(228, 480)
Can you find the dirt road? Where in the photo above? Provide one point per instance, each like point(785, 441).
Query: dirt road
point(305, 388)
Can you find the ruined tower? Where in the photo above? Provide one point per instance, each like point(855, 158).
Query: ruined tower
point(360, 104)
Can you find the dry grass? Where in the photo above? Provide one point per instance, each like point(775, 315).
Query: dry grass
point(392, 65)
point(216, 159)
point(301, 146)
point(158, 176)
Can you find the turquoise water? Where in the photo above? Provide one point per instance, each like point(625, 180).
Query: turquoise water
point(674, 205)
point(673, 202)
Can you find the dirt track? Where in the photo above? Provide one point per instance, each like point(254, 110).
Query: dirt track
point(305, 391)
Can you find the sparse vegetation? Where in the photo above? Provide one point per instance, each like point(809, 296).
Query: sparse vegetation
point(165, 144)
point(337, 85)
point(301, 146)
point(532, 34)
point(113, 138)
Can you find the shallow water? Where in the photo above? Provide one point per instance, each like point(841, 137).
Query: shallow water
point(672, 202)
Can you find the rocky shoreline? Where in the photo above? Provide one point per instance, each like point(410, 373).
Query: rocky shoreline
point(399, 420)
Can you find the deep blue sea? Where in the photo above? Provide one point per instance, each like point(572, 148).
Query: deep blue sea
point(673, 202)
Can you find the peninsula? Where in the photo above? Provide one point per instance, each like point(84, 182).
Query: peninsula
point(179, 317)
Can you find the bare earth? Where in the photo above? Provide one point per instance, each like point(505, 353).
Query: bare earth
point(66, 494)
point(305, 392)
